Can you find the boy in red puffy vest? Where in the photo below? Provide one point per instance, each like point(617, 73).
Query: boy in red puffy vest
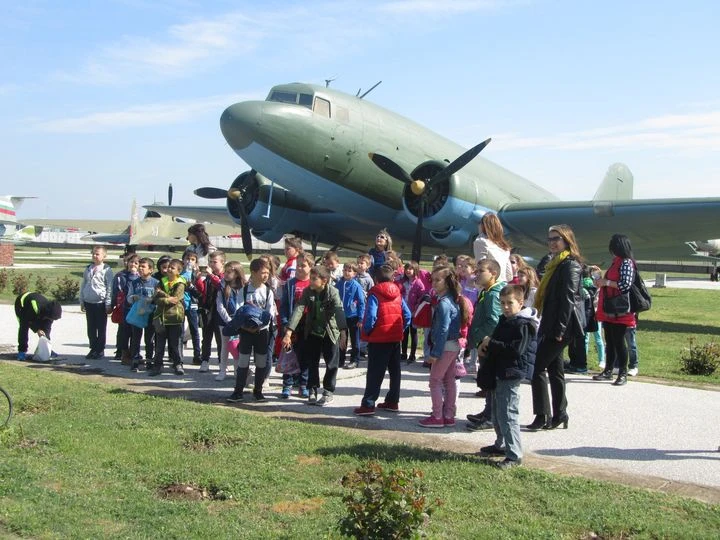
point(384, 323)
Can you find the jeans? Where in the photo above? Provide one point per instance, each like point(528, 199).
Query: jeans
point(210, 330)
point(631, 341)
point(314, 348)
point(442, 381)
point(599, 343)
point(194, 326)
point(136, 334)
point(173, 334)
point(299, 379)
point(96, 318)
point(411, 336)
point(352, 334)
point(382, 357)
point(506, 418)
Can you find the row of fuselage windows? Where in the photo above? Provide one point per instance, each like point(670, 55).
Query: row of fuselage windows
point(318, 105)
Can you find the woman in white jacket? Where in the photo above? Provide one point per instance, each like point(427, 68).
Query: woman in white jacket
point(491, 244)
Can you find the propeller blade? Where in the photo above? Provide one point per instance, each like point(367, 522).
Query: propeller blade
point(417, 243)
point(391, 168)
point(211, 193)
point(459, 163)
point(170, 194)
point(244, 227)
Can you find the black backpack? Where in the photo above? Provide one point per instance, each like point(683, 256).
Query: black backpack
point(640, 299)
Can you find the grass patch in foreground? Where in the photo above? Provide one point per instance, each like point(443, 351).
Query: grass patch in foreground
point(86, 460)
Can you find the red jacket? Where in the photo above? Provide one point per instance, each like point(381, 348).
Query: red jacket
point(388, 327)
point(613, 274)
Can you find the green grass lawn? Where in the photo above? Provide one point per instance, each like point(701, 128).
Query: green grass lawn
point(87, 460)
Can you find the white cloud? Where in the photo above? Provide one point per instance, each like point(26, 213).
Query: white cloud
point(184, 49)
point(692, 131)
point(139, 116)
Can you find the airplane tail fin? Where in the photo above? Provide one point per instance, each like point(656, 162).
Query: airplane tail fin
point(134, 222)
point(8, 206)
point(617, 184)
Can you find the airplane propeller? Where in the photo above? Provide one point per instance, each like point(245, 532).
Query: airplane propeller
point(233, 194)
point(420, 187)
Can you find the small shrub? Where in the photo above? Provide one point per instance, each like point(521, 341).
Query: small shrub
point(384, 504)
point(66, 289)
point(21, 283)
point(700, 359)
point(42, 284)
point(3, 279)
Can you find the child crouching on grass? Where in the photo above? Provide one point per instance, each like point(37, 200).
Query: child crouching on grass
point(507, 353)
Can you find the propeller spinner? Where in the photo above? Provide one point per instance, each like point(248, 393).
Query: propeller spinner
point(421, 187)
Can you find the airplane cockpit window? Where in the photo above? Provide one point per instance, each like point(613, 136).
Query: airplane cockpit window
point(291, 97)
point(322, 107)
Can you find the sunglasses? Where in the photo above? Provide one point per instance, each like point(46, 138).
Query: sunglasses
point(554, 238)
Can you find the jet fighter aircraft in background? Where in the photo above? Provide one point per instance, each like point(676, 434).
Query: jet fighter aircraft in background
point(335, 168)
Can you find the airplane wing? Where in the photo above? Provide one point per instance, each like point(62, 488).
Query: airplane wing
point(658, 228)
point(211, 214)
point(105, 225)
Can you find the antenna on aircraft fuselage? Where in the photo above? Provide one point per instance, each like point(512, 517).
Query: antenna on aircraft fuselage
point(371, 89)
point(328, 81)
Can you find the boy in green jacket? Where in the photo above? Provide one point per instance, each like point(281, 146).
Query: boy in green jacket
point(485, 318)
point(169, 318)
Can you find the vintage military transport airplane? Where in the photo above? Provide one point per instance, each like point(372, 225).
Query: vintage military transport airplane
point(335, 168)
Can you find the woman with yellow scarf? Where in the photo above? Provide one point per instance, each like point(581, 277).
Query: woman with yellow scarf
point(560, 305)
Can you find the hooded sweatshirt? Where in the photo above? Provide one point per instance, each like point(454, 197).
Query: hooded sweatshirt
point(512, 345)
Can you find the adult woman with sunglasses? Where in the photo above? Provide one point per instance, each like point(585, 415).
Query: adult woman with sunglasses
point(558, 300)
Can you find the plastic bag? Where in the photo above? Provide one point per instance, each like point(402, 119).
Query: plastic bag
point(140, 312)
point(234, 348)
point(43, 350)
point(287, 363)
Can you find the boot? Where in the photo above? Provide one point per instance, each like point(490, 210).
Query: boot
point(259, 380)
point(540, 422)
point(240, 380)
point(125, 358)
point(621, 379)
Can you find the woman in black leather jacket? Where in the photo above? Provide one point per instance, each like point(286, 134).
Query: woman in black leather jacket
point(560, 304)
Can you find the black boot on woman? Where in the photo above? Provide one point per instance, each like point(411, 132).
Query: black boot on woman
point(606, 375)
point(621, 380)
point(558, 421)
point(540, 422)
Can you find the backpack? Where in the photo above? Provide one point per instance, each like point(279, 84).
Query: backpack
point(527, 359)
point(589, 295)
point(248, 318)
point(640, 299)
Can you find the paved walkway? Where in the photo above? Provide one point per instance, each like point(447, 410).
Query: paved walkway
point(652, 435)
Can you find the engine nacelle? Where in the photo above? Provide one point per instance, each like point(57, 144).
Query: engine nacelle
point(452, 238)
point(271, 209)
point(447, 203)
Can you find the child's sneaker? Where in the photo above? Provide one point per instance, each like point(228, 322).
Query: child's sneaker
point(134, 367)
point(22, 356)
point(312, 397)
point(179, 369)
point(325, 399)
point(364, 411)
point(351, 365)
point(220, 376)
point(204, 367)
point(304, 392)
point(432, 422)
point(259, 396)
point(449, 422)
point(285, 394)
point(386, 406)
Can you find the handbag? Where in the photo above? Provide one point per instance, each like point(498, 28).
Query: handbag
point(460, 369)
point(118, 314)
point(640, 299)
point(617, 305)
point(287, 363)
point(140, 312)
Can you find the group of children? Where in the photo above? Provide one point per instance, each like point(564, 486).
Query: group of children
point(467, 311)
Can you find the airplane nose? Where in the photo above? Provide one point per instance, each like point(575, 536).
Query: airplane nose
point(239, 122)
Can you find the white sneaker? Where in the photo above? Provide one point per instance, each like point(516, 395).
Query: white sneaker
point(220, 376)
point(204, 367)
point(601, 365)
point(633, 371)
point(616, 371)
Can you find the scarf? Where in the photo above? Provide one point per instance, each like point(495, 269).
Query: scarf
point(549, 271)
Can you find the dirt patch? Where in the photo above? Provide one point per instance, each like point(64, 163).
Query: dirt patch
point(298, 507)
point(191, 492)
point(29, 444)
point(309, 460)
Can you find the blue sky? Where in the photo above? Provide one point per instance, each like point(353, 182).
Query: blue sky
point(102, 102)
